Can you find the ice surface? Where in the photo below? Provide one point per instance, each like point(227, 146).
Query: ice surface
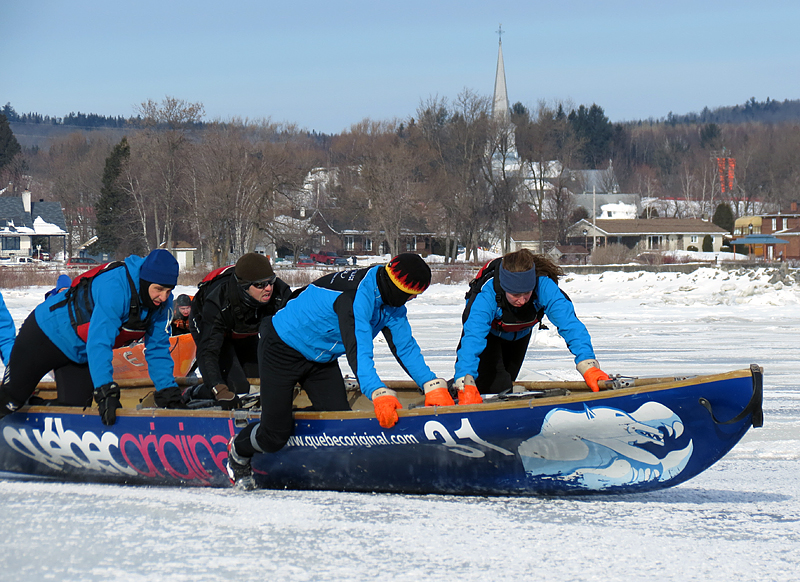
point(739, 520)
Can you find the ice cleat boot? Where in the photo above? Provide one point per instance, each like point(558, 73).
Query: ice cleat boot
point(239, 470)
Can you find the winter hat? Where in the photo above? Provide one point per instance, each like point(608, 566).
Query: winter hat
point(161, 268)
point(409, 273)
point(183, 300)
point(63, 282)
point(253, 267)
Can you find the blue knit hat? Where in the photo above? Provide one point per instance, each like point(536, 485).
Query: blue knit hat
point(161, 268)
point(63, 281)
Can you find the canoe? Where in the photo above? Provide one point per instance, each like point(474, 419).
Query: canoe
point(129, 362)
point(555, 438)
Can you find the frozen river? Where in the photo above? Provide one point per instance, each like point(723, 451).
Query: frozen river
point(740, 520)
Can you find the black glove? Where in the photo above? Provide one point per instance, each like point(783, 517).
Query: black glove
point(107, 398)
point(169, 398)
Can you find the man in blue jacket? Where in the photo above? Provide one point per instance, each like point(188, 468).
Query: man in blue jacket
point(338, 314)
point(510, 296)
point(74, 332)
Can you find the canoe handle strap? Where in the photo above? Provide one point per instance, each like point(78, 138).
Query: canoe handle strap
point(753, 407)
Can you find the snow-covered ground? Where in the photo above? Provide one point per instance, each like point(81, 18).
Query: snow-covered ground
point(740, 520)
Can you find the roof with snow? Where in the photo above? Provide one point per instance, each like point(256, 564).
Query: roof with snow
point(45, 218)
point(654, 226)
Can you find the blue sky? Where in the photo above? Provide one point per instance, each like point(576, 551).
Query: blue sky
point(324, 65)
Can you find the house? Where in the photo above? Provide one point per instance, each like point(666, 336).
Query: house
point(350, 233)
point(183, 252)
point(785, 226)
point(663, 234)
point(26, 225)
point(529, 239)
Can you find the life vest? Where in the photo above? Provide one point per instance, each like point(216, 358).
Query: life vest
point(512, 319)
point(80, 305)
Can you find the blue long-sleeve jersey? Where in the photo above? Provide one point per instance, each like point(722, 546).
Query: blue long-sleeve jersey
point(343, 317)
point(484, 310)
point(8, 331)
point(111, 294)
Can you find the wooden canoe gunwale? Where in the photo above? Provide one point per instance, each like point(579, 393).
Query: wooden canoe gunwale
point(648, 385)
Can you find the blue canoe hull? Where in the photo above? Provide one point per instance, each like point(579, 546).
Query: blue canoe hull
point(629, 440)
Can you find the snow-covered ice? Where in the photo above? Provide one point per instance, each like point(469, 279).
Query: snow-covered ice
point(739, 520)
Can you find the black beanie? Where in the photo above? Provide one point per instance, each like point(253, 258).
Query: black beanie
point(253, 267)
point(183, 300)
point(409, 273)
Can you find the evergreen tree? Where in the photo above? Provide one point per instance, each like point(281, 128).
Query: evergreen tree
point(708, 244)
point(112, 207)
point(595, 130)
point(723, 217)
point(9, 146)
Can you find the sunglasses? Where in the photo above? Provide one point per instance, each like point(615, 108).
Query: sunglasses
point(264, 282)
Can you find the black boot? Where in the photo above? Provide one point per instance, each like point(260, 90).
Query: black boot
point(239, 470)
point(8, 404)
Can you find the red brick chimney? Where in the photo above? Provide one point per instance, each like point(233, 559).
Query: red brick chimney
point(793, 207)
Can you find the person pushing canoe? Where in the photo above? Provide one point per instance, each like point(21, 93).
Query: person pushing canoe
point(75, 331)
point(506, 300)
point(338, 314)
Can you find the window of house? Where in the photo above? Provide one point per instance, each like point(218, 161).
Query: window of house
point(654, 241)
point(349, 243)
point(774, 224)
point(693, 238)
point(10, 243)
point(322, 240)
point(368, 244)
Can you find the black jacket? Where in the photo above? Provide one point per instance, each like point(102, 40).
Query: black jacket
point(229, 313)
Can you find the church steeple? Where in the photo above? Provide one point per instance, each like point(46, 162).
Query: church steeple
point(500, 102)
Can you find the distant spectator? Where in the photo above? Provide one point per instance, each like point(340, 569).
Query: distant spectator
point(180, 320)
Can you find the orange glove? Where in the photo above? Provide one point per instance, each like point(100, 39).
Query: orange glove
point(592, 376)
point(437, 394)
point(467, 391)
point(386, 406)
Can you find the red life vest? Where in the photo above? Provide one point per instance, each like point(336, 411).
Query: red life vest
point(511, 320)
point(80, 305)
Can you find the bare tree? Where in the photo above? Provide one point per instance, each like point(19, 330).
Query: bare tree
point(298, 234)
point(239, 173)
point(73, 166)
point(551, 148)
point(455, 138)
point(167, 156)
point(501, 170)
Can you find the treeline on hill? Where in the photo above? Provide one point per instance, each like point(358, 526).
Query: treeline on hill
point(225, 187)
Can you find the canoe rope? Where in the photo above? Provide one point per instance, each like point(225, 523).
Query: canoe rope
point(754, 406)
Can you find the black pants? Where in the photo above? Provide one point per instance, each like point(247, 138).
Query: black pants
point(238, 361)
point(281, 368)
point(500, 363)
point(33, 356)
